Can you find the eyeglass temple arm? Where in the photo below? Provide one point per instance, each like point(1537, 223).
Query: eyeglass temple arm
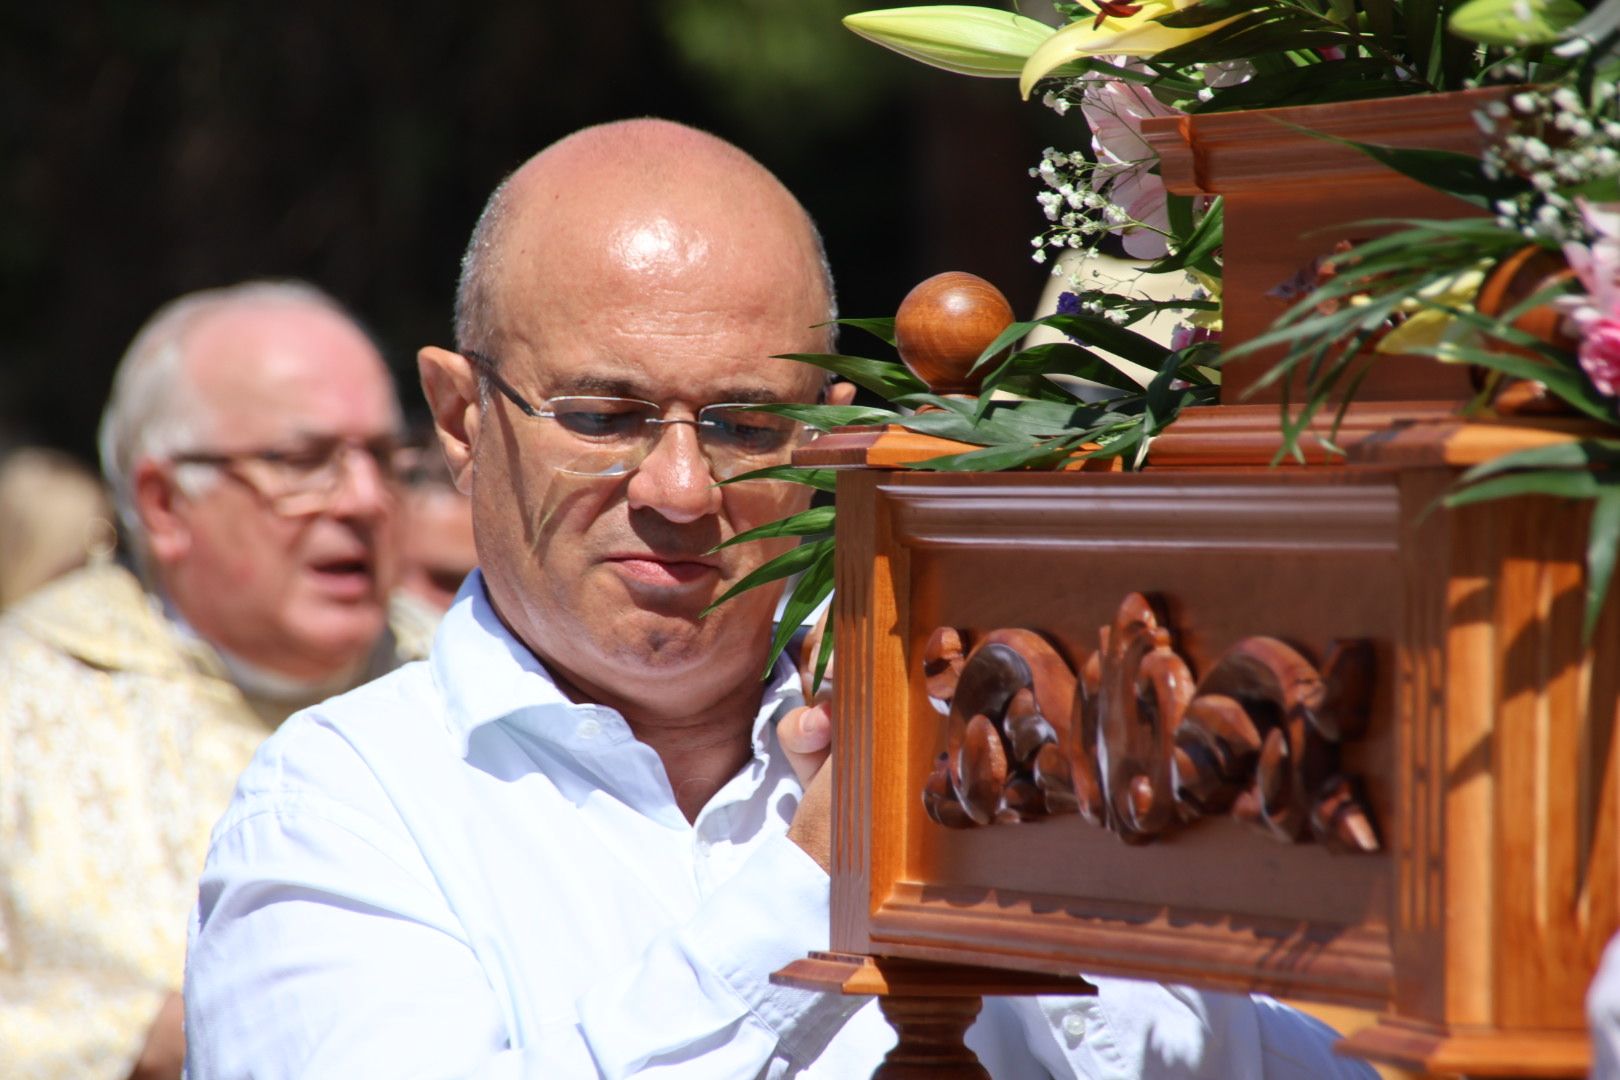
point(487, 367)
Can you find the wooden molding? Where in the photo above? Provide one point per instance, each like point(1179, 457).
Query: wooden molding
point(1291, 197)
point(1438, 1051)
point(855, 973)
point(1035, 933)
point(1259, 149)
point(890, 446)
point(1227, 436)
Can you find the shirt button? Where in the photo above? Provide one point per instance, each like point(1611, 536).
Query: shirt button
point(1074, 1024)
point(588, 729)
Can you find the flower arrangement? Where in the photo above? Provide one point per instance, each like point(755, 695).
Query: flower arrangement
point(1530, 297)
point(1550, 181)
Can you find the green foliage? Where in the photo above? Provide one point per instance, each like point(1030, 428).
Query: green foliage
point(1020, 420)
point(1514, 22)
point(1422, 269)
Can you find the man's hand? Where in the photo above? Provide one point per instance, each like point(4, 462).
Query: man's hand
point(806, 737)
point(165, 1049)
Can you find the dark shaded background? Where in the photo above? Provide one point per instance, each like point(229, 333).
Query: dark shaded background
point(149, 148)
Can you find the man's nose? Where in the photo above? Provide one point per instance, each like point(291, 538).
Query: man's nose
point(675, 478)
point(364, 486)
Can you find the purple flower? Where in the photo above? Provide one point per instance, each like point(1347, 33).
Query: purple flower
point(1068, 303)
point(1185, 336)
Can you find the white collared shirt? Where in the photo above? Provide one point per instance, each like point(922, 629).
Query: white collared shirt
point(455, 871)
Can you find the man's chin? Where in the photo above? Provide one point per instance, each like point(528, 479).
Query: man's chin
point(342, 634)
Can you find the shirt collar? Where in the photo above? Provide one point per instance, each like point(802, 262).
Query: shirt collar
point(486, 674)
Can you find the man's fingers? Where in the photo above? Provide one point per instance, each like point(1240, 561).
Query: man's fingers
point(806, 737)
point(812, 821)
point(809, 653)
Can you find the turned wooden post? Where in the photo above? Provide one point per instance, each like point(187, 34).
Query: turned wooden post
point(930, 1046)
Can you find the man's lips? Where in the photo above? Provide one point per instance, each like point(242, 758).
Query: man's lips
point(666, 570)
point(344, 577)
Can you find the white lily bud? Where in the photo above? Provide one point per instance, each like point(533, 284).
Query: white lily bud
point(967, 40)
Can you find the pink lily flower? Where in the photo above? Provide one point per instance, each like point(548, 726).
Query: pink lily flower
point(1115, 110)
point(1595, 317)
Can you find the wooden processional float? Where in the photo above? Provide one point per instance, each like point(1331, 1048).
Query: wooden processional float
point(1282, 729)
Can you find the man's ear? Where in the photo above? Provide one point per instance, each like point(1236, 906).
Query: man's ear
point(451, 388)
point(840, 393)
point(157, 495)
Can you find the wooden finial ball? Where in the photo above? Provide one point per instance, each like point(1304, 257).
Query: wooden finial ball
point(944, 324)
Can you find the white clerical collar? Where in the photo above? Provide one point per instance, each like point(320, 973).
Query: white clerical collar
point(261, 683)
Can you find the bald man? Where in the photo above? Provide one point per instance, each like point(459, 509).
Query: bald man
point(578, 839)
point(248, 444)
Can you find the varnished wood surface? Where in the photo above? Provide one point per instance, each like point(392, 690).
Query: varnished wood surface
point(850, 973)
point(1271, 149)
point(1290, 197)
point(944, 324)
point(1227, 436)
point(1490, 759)
point(1435, 1052)
point(892, 447)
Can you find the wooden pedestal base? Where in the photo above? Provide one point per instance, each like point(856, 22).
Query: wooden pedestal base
point(1438, 1051)
point(930, 1046)
point(930, 1006)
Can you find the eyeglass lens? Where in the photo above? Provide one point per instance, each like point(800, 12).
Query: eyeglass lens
point(305, 480)
point(619, 433)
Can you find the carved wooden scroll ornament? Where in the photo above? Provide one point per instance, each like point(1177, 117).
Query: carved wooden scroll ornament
point(1136, 745)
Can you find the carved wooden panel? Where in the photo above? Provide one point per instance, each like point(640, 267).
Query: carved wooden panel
point(1138, 746)
point(1486, 766)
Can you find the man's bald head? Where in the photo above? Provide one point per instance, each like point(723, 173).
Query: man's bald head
point(641, 193)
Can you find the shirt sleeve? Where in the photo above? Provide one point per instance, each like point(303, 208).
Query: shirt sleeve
point(1603, 1015)
point(1131, 1029)
point(322, 948)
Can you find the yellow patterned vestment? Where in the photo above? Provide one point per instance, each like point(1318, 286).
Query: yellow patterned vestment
point(120, 741)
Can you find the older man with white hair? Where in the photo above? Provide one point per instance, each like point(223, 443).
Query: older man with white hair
point(249, 442)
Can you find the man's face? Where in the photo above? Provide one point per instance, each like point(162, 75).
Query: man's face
point(301, 593)
point(605, 578)
point(438, 550)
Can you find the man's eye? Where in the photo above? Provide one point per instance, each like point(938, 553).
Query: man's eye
point(600, 423)
point(755, 432)
point(301, 460)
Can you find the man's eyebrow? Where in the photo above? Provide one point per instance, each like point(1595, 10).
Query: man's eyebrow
point(611, 386)
point(749, 395)
point(600, 386)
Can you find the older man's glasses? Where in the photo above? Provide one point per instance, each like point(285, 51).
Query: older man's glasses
point(305, 478)
point(611, 436)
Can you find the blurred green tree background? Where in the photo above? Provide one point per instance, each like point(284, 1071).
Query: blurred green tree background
point(150, 147)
